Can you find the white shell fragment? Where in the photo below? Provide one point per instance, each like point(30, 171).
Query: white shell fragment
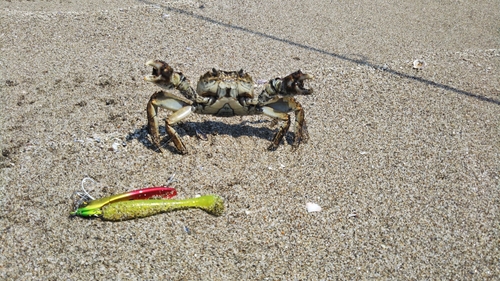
point(419, 64)
point(115, 146)
point(313, 207)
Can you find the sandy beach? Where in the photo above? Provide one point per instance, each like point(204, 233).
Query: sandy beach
point(404, 162)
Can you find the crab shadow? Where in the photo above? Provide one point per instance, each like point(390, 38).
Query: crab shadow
point(210, 128)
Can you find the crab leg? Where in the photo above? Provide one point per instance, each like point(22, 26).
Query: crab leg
point(279, 108)
point(271, 112)
point(171, 120)
point(181, 109)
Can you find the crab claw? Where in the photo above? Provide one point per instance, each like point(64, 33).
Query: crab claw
point(293, 84)
point(162, 74)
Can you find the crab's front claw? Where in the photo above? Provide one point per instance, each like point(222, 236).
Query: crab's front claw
point(293, 84)
point(163, 75)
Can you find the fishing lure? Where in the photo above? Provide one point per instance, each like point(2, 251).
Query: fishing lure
point(138, 204)
point(94, 207)
point(132, 209)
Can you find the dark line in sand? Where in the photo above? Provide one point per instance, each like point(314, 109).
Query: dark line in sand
point(357, 61)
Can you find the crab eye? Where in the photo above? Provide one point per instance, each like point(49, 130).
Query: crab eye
point(155, 71)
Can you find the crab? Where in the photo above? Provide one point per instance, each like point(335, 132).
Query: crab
point(225, 94)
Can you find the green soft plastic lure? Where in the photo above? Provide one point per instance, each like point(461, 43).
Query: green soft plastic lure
point(137, 204)
point(127, 210)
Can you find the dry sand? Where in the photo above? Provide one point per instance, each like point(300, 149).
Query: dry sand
point(404, 163)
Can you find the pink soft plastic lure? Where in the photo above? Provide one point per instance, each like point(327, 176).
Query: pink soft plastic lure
point(94, 207)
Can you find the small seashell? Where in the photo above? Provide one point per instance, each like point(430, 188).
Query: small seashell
point(419, 64)
point(115, 146)
point(353, 215)
point(313, 207)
